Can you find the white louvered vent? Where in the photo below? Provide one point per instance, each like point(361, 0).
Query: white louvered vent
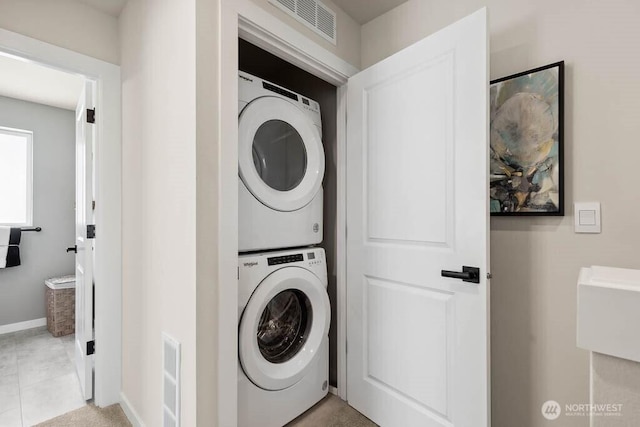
point(289, 4)
point(326, 21)
point(312, 13)
point(170, 382)
point(307, 10)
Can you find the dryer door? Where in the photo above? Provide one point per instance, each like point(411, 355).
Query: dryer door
point(280, 154)
point(282, 328)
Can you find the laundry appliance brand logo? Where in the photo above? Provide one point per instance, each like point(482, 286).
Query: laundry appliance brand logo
point(551, 410)
point(250, 264)
point(246, 78)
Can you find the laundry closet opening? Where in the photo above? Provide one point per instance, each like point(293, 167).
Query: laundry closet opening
point(260, 63)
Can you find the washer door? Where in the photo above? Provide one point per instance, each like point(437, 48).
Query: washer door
point(280, 154)
point(282, 328)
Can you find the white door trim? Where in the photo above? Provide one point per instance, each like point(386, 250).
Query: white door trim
point(108, 246)
point(245, 19)
point(341, 240)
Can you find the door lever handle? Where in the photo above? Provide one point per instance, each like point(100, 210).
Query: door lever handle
point(468, 274)
point(74, 249)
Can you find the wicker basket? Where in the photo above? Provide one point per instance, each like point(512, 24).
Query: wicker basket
point(61, 311)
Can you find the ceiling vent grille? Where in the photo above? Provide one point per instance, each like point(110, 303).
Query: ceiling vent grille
point(313, 14)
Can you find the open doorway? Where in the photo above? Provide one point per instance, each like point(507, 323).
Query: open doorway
point(267, 66)
point(305, 236)
point(41, 343)
point(39, 163)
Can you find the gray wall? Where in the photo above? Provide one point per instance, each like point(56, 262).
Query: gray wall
point(260, 63)
point(43, 254)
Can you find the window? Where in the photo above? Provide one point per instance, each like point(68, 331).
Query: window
point(16, 177)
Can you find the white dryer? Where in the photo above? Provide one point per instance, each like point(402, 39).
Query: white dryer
point(281, 167)
point(283, 344)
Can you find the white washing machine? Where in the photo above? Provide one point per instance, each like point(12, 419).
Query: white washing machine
point(281, 167)
point(283, 345)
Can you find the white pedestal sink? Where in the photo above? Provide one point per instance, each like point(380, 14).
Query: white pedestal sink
point(609, 311)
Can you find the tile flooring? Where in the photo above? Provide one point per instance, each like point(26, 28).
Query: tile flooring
point(37, 377)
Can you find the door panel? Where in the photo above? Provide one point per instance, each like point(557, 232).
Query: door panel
point(84, 255)
point(399, 203)
point(389, 307)
point(417, 203)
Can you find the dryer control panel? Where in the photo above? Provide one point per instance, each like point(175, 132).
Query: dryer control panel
point(251, 87)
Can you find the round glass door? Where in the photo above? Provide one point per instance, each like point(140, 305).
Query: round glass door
point(282, 328)
point(284, 325)
point(279, 155)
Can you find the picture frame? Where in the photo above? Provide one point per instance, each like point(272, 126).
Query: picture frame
point(527, 143)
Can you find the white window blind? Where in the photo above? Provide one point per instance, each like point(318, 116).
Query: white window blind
point(16, 177)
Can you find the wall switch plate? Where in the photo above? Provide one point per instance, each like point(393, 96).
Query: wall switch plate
point(587, 217)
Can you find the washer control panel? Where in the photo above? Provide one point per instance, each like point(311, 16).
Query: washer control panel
point(314, 259)
point(285, 259)
point(253, 268)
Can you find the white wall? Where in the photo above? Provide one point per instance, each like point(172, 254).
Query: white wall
point(208, 152)
point(43, 255)
point(159, 199)
point(535, 261)
point(65, 23)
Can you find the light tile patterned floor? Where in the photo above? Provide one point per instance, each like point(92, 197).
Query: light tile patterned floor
point(37, 377)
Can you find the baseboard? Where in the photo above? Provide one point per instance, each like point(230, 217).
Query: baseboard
point(21, 326)
point(333, 390)
point(131, 414)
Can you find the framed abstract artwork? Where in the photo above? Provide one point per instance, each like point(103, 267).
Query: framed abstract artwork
point(526, 134)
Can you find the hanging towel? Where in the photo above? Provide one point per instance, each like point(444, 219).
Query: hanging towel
point(10, 236)
point(9, 256)
point(5, 236)
point(15, 236)
point(13, 256)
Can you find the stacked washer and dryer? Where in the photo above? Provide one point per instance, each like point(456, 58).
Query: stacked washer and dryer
point(283, 307)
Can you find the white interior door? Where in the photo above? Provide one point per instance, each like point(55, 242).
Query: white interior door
point(417, 204)
point(84, 246)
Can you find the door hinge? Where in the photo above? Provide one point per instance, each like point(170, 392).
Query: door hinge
point(91, 115)
point(91, 231)
point(91, 348)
